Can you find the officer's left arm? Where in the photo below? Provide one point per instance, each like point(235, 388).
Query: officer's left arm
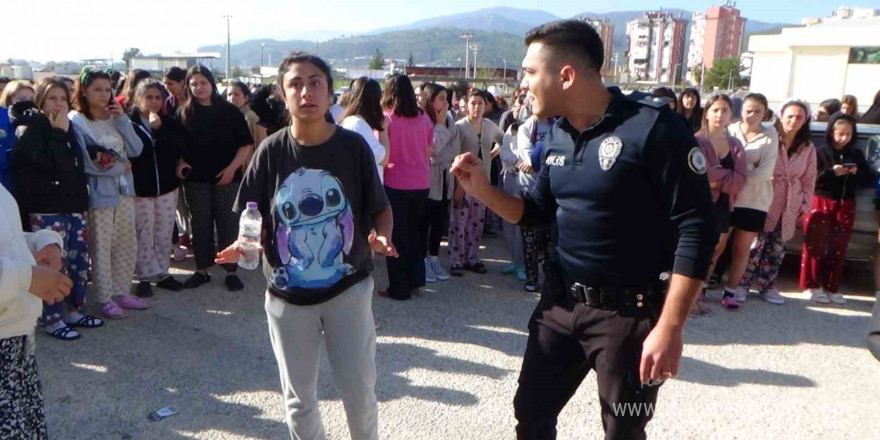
point(681, 185)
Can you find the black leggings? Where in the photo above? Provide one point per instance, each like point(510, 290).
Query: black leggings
point(435, 224)
point(211, 205)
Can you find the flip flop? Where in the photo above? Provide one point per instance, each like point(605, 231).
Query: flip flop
point(701, 311)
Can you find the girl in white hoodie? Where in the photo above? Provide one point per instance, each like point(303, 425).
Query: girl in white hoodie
point(30, 265)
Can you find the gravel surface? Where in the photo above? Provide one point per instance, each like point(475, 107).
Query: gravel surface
point(448, 363)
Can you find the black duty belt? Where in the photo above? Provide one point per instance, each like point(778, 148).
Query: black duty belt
point(617, 298)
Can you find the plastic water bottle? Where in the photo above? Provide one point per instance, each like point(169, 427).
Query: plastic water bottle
point(249, 228)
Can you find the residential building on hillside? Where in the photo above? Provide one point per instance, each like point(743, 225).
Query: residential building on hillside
point(655, 48)
point(715, 34)
point(605, 29)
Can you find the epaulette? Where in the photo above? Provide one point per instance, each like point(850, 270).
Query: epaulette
point(655, 101)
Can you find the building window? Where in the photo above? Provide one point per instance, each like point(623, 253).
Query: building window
point(864, 55)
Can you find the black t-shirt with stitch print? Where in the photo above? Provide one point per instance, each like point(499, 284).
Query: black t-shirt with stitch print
point(317, 204)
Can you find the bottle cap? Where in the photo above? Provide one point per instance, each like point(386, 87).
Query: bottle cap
point(251, 205)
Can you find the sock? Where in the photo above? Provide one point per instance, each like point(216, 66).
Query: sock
point(74, 316)
point(728, 293)
point(53, 327)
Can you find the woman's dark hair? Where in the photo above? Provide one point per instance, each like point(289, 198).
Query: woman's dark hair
point(852, 101)
point(240, 85)
point(134, 77)
point(834, 119)
point(872, 116)
point(116, 81)
point(45, 85)
point(300, 58)
point(570, 37)
point(710, 102)
point(759, 98)
point(189, 101)
point(364, 100)
point(696, 113)
point(85, 79)
point(175, 73)
point(400, 97)
point(831, 106)
point(802, 137)
point(666, 92)
point(430, 91)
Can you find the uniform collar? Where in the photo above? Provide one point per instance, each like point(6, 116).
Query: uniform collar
point(614, 112)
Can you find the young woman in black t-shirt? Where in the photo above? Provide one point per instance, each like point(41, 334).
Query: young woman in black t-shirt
point(218, 145)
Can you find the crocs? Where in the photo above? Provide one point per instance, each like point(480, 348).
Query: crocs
point(112, 311)
point(131, 302)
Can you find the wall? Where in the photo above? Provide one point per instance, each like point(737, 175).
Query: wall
point(863, 81)
point(819, 73)
point(770, 75)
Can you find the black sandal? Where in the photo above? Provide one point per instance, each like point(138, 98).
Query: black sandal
point(477, 267)
point(87, 322)
point(64, 334)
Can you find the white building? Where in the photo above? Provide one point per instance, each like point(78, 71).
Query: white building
point(695, 45)
point(158, 64)
point(655, 50)
point(818, 62)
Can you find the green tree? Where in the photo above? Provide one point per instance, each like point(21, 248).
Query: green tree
point(129, 54)
point(410, 62)
point(377, 62)
point(723, 73)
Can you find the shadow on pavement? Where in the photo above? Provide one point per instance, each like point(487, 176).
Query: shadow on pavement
point(697, 371)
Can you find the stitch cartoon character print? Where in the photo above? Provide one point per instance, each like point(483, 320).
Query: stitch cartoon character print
point(315, 231)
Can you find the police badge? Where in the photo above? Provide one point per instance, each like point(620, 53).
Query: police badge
point(608, 152)
point(697, 161)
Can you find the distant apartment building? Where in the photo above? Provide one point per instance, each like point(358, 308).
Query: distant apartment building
point(655, 47)
point(844, 14)
point(715, 34)
point(605, 30)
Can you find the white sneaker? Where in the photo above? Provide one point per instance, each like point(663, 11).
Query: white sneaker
point(772, 296)
point(740, 294)
point(818, 296)
point(438, 270)
point(837, 298)
point(430, 277)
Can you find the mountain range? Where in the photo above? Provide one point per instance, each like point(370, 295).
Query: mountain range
point(435, 41)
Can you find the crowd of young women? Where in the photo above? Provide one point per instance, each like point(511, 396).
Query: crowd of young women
point(765, 177)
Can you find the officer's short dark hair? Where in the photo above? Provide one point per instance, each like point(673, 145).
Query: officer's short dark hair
point(571, 38)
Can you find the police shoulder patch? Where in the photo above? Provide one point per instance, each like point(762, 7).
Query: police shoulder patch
point(697, 161)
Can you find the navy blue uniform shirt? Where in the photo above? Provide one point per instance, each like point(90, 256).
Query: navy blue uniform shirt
point(629, 195)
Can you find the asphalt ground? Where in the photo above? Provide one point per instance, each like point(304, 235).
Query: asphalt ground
point(448, 363)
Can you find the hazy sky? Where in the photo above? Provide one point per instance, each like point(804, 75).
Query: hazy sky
point(71, 30)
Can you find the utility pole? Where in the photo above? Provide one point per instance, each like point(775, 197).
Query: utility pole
point(730, 78)
point(262, 46)
point(702, 77)
point(476, 49)
point(467, 51)
point(505, 71)
point(227, 17)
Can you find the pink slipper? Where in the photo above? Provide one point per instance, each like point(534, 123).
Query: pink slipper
point(131, 302)
point(730, 304)
point(112, 311)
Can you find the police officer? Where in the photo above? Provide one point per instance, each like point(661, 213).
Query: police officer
point(625, 182)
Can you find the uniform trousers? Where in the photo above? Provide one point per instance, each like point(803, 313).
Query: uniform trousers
point(567, 339)
point(210, 206)
point(74, 232)
point(154, 222)
point(113, 248)
point(346, 324)
point(827, 230)
point(466, 230)
point(21, 399)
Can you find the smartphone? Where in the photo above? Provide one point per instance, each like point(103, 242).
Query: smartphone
point(850, 165)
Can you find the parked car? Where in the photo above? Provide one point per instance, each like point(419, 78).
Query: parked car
point(864, 238)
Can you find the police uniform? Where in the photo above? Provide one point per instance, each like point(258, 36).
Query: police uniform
point(631, 201)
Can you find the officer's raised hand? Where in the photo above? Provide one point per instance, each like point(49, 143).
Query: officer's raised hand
point(468, 168)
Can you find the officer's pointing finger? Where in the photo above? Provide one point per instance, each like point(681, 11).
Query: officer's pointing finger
point(645, 368)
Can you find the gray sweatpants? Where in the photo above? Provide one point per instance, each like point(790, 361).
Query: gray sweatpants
point(350, 334)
